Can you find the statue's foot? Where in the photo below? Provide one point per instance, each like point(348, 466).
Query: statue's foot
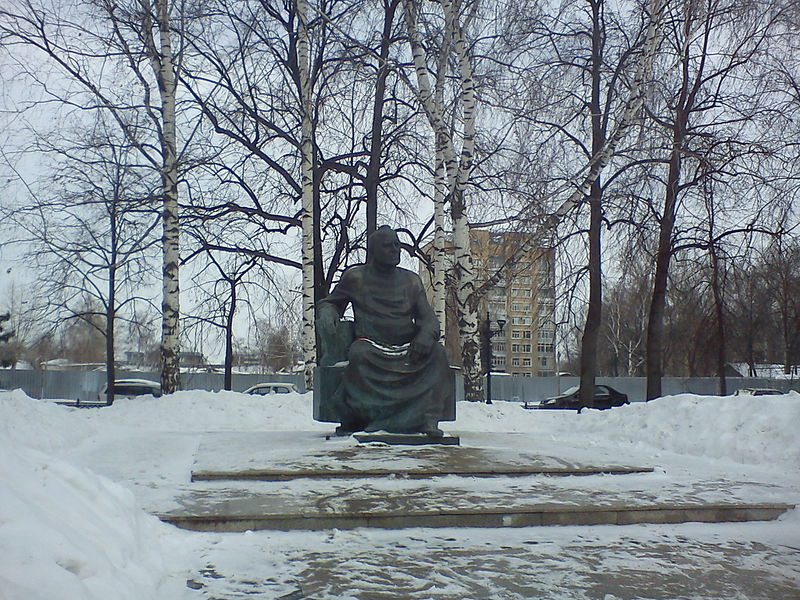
point(344, 430)
point(433, 431)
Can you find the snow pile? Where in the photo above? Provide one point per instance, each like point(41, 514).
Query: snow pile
point(197, 410)
point(68, 533)
point(44, 426)
point(758, 430)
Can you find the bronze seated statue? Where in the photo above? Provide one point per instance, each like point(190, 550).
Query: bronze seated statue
point(386, 371)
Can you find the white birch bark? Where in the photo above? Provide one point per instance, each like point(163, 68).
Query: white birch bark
point(307, 179)
point(439, 264)
point(466, 276)
point(164, 70)
point(456, 169)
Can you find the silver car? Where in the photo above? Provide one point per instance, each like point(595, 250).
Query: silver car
point(272, 387)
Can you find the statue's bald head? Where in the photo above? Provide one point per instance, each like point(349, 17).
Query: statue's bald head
point(383, 247)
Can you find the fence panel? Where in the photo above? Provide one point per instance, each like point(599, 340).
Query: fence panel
point(85, 385)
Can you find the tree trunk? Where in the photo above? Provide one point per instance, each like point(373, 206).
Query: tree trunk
point(228, 384)
point(307, 210)
point(719, 311)
point(655, 320)
point(591, 329)
point(376, 136)
point(170, 343)
point(465, 270)
point(438, 283)
point(111, 374)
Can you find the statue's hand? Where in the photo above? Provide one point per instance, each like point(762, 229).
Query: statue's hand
point(327, 321)
point(420, 349)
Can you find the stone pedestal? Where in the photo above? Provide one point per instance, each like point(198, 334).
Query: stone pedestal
point(406, 439)
point(328, 379)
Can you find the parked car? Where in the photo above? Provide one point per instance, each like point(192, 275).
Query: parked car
point(130, 388)
point(271, 387)
point(604, 397)
point(758, 392)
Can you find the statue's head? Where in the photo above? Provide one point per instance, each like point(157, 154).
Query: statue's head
point(383, 247)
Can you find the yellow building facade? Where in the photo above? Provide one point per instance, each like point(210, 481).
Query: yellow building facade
point(519, 310)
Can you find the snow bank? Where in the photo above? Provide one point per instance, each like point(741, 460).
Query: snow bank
point(198, 410)
point(759, 430)
point(66, 532)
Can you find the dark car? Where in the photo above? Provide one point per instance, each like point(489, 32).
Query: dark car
point(131, 388)
point(604, 397)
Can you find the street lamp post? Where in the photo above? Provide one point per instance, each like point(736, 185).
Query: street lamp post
point(489, 335)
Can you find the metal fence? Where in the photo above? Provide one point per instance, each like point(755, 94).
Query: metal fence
point(509, 387)
point(86, 385)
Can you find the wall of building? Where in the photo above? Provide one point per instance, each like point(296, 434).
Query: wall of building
point(524, 300)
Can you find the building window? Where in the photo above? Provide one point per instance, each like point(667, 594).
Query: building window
point(520, 320)
point(517, 334)
point(497, 307)
point(498, 361)
point(544, 334)
point(526, 362)
point(544, 347)
point(515, 348)
point(527, 334)
point(498, 346)
point(543, 361)
point(515, 363)
point(521, 292)
point(521, 306)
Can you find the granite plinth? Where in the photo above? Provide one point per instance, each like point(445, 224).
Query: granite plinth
point(407, 439)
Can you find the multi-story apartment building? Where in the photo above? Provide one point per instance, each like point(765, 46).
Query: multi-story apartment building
point(519, 310)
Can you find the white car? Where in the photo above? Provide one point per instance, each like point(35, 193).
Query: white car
point(757, 392)
point(272, 387)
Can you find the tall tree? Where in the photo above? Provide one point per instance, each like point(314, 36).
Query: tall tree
point(121, 56)
point(453, 167)
point(89, 231)
point(713, 43)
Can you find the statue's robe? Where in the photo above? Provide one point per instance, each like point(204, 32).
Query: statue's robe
point(382, 389)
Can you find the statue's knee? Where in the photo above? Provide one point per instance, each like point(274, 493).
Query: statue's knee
point(358, 351)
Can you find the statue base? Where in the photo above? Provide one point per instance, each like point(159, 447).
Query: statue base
point(406, 439)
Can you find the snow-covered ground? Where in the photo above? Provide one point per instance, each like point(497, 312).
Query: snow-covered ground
point(74, 484)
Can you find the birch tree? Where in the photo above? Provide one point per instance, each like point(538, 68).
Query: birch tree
point(307, 186)
point(453, 168)
point(120, 55)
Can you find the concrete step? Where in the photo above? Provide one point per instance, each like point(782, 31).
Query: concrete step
point(276, 456)
point(233, 516)
point(301, 481)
